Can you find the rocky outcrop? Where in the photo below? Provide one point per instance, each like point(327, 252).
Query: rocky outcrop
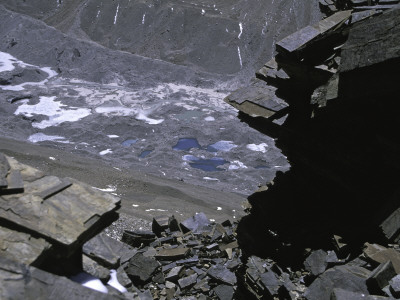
point(335, 83)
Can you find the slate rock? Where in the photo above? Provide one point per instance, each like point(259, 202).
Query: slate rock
point(271, 283)
point(146, 295)
point(340, 294)
point(377, 254)
point(137, 237)
point(196, 223)
point(123, 278)
point(95, 269)
point(224, 292)
point(316, 262)
point(391, 226)
point(222, 274)
point(22, 282)
point(395, 286)
point(350, 278)
point(187, 282)
point(172, 253)
point(4, 168)
point(105, 250)
point(140, 268)
point(175, 273)
point(22, 247)
point(15, 184)
point(380, 277)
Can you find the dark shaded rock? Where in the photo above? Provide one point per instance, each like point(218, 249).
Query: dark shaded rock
point(349, 278)
point(21, 282)
point(146, 295)
point(105, 250)
point(187, 282)
point(222, 274)
point(379, 278)
point(15, 183)
point(158, 278)
point(21, 246)
point(391, 226)
point(138, 237)
point(4, 168)
point(316, 262)
point(140, 268)
point(159, 224)
point(175, 273)
point(224, 292)
point(195, 223)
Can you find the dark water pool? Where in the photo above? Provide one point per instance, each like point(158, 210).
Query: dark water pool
point(186, 144)
point(129, 142)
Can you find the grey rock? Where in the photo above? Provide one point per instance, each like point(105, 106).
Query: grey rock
point(224, 292)
point(175, 273)
point(380, 277)
point(339, 294)
point(350, 278)
point(187, 282)
point(222, 274)
point(4, 168)
point(316, 262)
point(106, 250)
point(377, 254)
point(172, 253)
point(271, 283)
point(21, 282)
point(95, 269)
point(196, 223)
point(395, 286)
point(123, 278)
point(391, 225)
point(15, 184)
point(140, 268)
point(307, 35)
point(146, 295)
point(21, 246)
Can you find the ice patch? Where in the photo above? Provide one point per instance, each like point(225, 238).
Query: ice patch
point(115, 283)
point(235, 165)
point(104, 152)
point(135, 205)
point(260, 147)
point(89, 281)
point(219, 208)
point(112, 136)
point(41, 137)
point(241, 30)
point(209, 119)
point(203, 12)
point(223, 146)
point(52, 158)
point(156, 209)
point(54, 110)
point(142, 116)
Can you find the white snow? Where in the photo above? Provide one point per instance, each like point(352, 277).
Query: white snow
point(110, 188)
point(240, 58)
point(203, 12)
point(104, 152)
point(135, 205)
point(219, 208)
point(89, 281)
point(6, 62)
point(52, 158)
point(115, 283)
point(224, 146)
point(54, 110)
point(209, 119)
point(210, 178)
point(142, 116)
point(235, 165)
point(156, 209)
point(241, 30)
point(40, 137)
point(260, 147)
point(112, 136)
point(116, 15)
point(144, 16)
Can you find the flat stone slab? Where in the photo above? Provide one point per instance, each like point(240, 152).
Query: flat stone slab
point(172, 253)
point(106, 250)
point(67, 216)
point(4, 168)
point(305, 36)
point(257, 100)
point(21, 282)
point(21, 246)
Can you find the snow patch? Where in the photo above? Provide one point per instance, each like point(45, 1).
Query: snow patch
point(241, 30)
point(260, 147)
point(54, 110)
point(236, 165)
point(104, 152)
point(210, 178)
point(115, 283)
point(143, 18)
point(209, 119)
point(240, 58)
point(116, 15)
point(112, 136)
point(90, 281)
point(41, 137)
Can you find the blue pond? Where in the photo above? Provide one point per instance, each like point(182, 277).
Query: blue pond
point(129, 142)
point(145, 153)
point(208, 165)
point(186, 144)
